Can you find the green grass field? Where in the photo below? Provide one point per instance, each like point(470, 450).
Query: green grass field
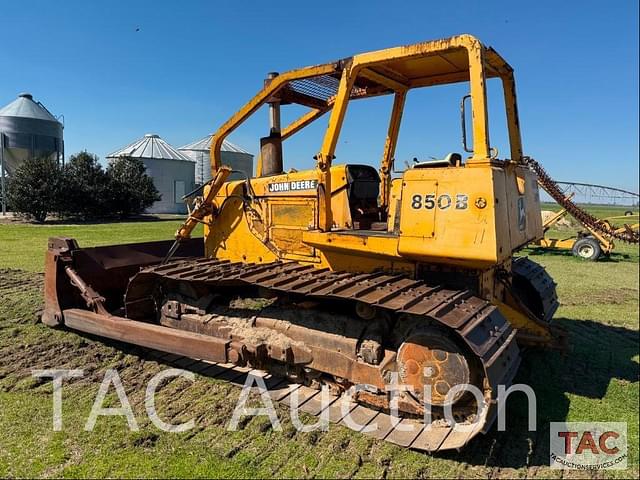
point(600, 211)
point(23, 244)
point(596, 381)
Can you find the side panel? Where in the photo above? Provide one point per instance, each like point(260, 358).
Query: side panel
point(231, 236)
point(472, 216)
point(447, 216)
point(418, 210)
point(526, 224)
point(271, 224)
point(518, 220)
point(288, 219)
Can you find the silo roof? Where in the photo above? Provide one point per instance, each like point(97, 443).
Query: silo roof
point(24, 106)
point(204, 144)
point(150, 146)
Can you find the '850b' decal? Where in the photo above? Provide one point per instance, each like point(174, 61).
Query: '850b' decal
point(444, 201)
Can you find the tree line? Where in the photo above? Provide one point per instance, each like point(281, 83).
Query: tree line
point(81, 189)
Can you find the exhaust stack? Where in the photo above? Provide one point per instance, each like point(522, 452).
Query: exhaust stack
point(271, 146)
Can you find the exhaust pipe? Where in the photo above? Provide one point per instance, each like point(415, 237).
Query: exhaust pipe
point(271, 146)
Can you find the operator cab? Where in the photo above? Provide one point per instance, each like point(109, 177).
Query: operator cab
point(363, 190)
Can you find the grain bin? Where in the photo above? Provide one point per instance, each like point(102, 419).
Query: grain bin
point(172, 172)
point(27, 130)
point(232, 155)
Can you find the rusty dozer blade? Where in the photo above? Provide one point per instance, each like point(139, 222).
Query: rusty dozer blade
point(96, 278)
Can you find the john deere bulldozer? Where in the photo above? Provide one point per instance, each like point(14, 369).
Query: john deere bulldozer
point(344, 274)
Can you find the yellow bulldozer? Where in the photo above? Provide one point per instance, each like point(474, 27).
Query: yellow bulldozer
point(344, 274)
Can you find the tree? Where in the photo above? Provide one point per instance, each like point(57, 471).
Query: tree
point(85, 187)
point(34, 188)
point(81, 189)
point(131, 190)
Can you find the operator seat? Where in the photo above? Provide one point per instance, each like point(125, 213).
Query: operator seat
point(363, 188)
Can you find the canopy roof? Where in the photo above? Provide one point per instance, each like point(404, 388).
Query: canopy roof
point(386, 71)
point(25, 107)
point(150, 146)
point(204, 145)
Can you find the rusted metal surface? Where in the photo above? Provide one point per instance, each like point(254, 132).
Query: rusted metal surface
point(202, 207)
point(57, 257)
point(106, 270)
point(475, 322)
point(486, 337)
point(148, 335)
point(94, 300)
point(339, 409)
point(430, 358)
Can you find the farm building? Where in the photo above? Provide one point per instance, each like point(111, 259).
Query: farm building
point(27, 130)
point(232, 155)
point(172, 172)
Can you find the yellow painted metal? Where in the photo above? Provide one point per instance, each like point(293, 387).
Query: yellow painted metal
point(513, 125)
point(203, 206)
point(471, 224)
point(327, 151)
point(524, 322)
point(560, 243)
point(607, 244)
point(553, 219)
point(456, 59)
point(635, 227)
point(470, 216)
point(386, 166)
point(301, 122)
point(478, 102)
point(476, 237)
point(393, 84)
point(257, 101)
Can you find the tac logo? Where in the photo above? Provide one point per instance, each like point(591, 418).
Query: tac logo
point(588, 446)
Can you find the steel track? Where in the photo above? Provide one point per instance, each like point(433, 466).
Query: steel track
point(483, 329)
point(338, 409)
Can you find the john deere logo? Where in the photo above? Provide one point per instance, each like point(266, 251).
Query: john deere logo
point(522, 214)
point(292, 186)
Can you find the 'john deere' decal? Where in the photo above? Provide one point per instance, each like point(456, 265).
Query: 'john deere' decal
point(293, 186)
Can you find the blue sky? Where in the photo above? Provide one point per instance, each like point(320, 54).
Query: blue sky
point(192, 64)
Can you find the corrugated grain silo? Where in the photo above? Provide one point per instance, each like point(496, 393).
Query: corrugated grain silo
point(172, 171)
point(232, 155)
point(27, 130)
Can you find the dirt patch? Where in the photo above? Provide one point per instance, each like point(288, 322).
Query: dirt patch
point(21, 297)
point(610, 296)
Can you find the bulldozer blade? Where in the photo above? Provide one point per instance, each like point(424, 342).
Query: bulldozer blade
point(170, 340)
point(106, 270)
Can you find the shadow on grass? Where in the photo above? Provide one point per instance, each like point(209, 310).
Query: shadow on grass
point(599, 353)
point(557, 252)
